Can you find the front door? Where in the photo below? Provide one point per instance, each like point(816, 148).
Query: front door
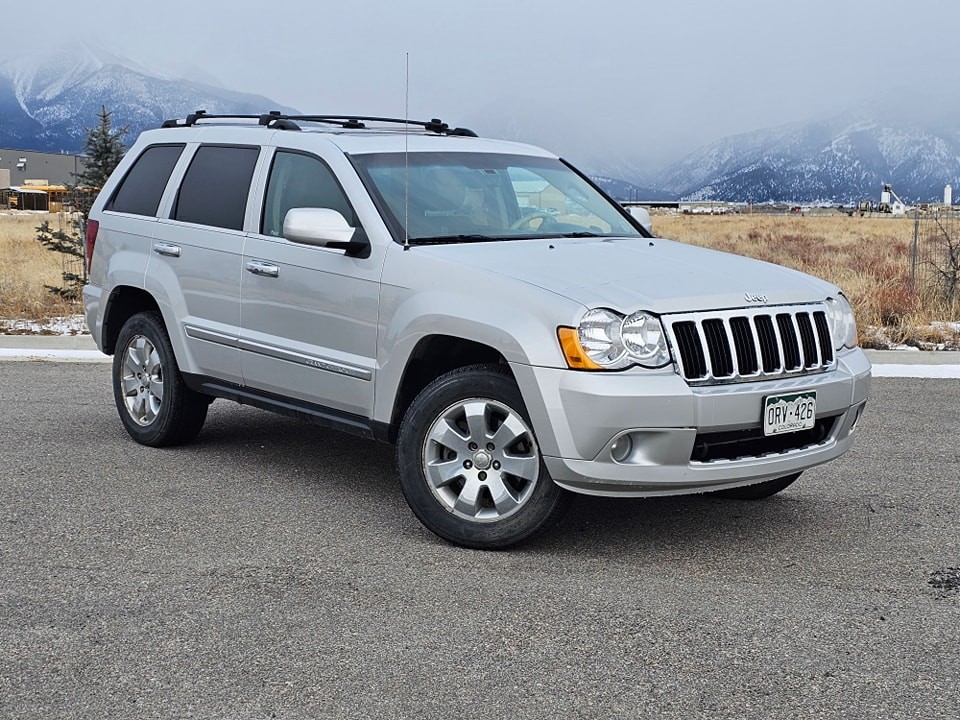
point(309, 314)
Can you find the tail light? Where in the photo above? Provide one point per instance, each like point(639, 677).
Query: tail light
point(93, 226)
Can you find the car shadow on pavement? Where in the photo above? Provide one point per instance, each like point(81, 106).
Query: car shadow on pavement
point(360, 476)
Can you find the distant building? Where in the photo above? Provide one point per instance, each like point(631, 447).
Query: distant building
point(36, 180)
point(56, 168)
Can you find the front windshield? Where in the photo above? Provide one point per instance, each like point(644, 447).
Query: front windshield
point(460, 197)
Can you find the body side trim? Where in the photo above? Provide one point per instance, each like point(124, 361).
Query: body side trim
point(316, 414)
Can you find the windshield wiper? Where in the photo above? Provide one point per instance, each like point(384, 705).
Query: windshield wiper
point(465, 238)
point(581, 234)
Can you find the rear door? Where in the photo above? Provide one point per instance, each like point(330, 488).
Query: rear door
point(198, 250)
point(129, 217)
point(309, 313)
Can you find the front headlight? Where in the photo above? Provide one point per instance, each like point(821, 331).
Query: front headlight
point(843, 325)
point(606, 340)
point(644, 340)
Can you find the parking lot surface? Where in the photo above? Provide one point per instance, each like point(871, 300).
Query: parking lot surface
point(272, 569)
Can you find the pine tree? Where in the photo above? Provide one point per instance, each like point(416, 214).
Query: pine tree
point(104, 150)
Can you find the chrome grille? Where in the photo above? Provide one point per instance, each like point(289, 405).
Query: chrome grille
point(751, 343)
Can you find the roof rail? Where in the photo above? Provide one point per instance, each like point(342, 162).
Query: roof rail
point(278, 121)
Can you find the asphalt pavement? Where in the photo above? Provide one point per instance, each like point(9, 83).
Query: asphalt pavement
point(272, 569)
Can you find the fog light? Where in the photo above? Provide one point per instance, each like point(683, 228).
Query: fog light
point(621, 448)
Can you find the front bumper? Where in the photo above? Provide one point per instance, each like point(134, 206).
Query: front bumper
point(578, 416)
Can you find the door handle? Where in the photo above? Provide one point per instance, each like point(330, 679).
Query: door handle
point(162, 248)
point(257, 267)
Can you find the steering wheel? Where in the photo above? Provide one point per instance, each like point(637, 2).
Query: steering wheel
point(525, 220)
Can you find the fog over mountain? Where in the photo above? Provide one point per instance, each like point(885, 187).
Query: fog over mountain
point(47, 99)
point(896, 138)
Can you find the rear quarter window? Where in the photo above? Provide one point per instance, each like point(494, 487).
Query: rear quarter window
point(215, 188)
point(140, 191)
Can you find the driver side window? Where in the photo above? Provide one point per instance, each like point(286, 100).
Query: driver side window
point(300, 181)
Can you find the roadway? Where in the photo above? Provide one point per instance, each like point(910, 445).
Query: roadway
point(272, 569)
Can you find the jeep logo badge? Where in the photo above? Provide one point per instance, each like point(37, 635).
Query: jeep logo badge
point(752, 298)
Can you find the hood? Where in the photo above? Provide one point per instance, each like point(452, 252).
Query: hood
point(629, 274)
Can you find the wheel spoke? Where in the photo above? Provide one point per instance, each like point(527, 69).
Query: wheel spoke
point(156, 388)
point(503, 497)
point(523, 467)
point(142, 346)
point(443, 473)
point(508, 433)
point(446, 434)
point(139, 407)
point(468, 502)
point(130, 385)
point(153, 360)
point(476, 416)
point(151, 406)
point(131, 362)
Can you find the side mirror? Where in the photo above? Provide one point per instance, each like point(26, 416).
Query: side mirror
point(323, 227)
point(642, 216)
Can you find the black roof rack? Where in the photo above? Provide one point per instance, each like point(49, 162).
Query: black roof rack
point(278, 121)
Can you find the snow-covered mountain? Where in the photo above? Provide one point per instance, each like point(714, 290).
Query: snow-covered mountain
point(48, 100)
point(843, 159)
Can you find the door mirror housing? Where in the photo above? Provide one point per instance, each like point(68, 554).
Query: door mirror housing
point(323, 227)
point(642, 216)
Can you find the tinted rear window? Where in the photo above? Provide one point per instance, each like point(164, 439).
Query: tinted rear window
point(139, 192)
point(214, 190)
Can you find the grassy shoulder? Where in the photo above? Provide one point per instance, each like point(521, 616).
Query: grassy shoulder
point(27, 269)
point(869, 258)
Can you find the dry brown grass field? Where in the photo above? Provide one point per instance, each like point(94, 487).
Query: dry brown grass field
point(26, 268)
point(868, 257)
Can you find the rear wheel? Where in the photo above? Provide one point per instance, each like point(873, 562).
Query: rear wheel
point(469, 464)
point(758, 491)
point(155, 405)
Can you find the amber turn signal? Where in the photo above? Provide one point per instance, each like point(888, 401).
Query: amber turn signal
point(573, 352)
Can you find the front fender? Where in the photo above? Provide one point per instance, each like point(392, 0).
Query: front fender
point(522, 334)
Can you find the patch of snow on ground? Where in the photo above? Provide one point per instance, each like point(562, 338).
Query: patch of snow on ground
point(936, 336)
point(897, 370)
point(69, 325)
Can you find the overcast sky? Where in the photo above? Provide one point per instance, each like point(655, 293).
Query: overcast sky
point(653, 80)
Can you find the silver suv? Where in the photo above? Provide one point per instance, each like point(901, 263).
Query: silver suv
point(479, 303)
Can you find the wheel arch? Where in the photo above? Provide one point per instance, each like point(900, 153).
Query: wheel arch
point(433, 356)
point(124, 302)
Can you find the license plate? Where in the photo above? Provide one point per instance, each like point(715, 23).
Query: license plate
point(789, 413)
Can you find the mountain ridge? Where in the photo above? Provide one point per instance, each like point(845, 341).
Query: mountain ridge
point(47, 100)
point(841, 159)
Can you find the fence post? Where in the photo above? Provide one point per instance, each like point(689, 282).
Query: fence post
point(913, 254)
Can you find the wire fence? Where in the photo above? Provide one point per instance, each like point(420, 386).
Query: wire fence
point(74, 268)
point(935, 270)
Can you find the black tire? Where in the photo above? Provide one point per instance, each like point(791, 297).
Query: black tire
point(143, 363)
point(451, 485)
point(759, 491)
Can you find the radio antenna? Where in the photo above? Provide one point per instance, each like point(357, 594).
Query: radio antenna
point(406, 160)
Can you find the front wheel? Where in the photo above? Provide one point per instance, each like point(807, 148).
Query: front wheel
point(155, 405)
point(469, 464)
point(759, 491)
